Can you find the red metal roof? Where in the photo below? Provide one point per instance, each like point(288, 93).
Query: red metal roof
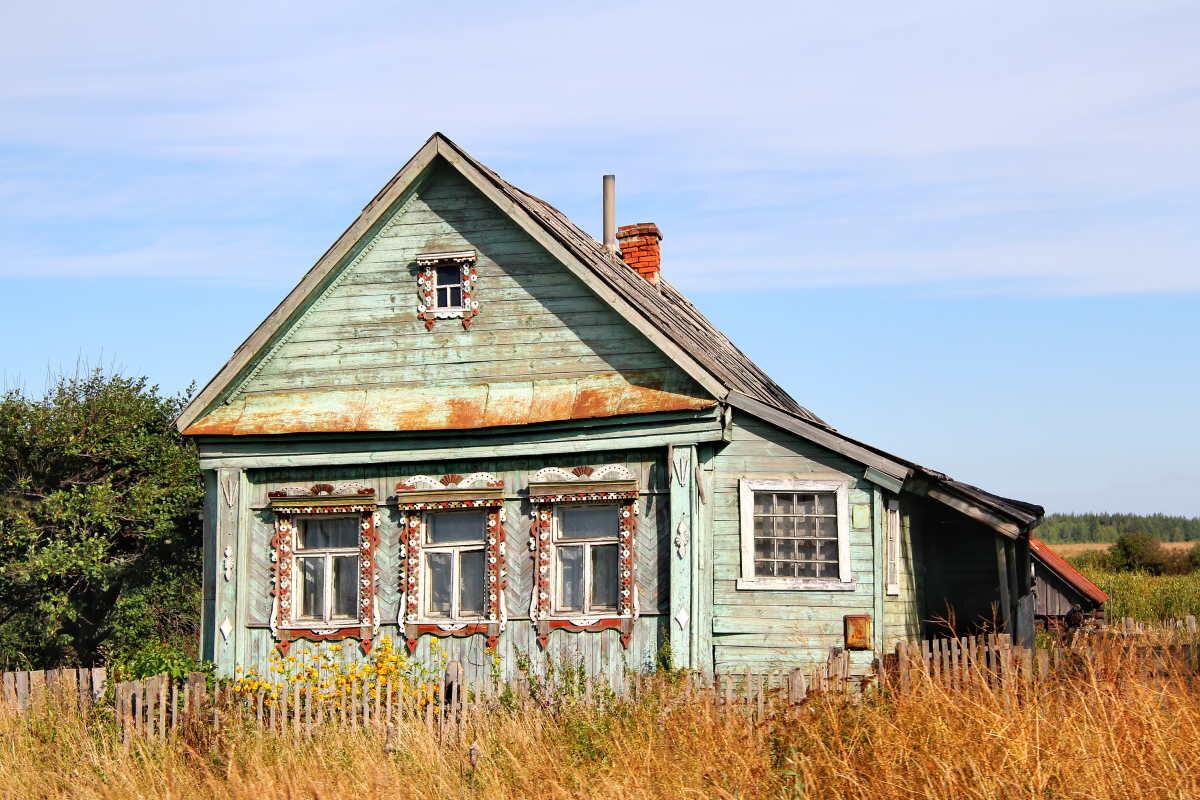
point(1058, 565)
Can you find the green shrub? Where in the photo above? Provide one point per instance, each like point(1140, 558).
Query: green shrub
point(156, 658)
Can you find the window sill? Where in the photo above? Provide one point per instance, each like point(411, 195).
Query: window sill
point(796, 585)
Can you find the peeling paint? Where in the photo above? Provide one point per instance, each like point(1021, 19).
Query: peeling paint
point(426, 408)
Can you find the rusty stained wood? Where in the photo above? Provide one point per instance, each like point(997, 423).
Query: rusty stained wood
point(390, 408)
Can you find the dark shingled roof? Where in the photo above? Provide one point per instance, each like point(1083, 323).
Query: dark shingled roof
point(663, 305)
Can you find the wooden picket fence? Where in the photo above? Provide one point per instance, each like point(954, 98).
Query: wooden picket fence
point(993, 660)
point(1127, 625)
point(83, 687)
point(157, 707)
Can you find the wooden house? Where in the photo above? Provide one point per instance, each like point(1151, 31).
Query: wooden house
point(472, 423)
point(1058, 587)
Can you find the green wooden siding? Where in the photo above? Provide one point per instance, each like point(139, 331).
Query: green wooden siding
point(536, 319)
point(601, 652)
point(902, 614)
point(770, 629)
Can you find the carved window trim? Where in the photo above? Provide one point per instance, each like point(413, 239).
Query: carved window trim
point(552, 486)
point(427, 309)
point(416, 497)
point(341, 499)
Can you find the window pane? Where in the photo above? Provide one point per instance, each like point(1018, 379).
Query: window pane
point(764, 526)
point(312, 588)
point(455, 296)
point(443, 297)
point(787, 549)
point(807, 569)
point(783, 504)
point(448, 275)
point(345, 586)
point(764, 569)
point(827, 570)
point(470, 583)
point(437, 583)
point(455, 526)
point(827, 550)
point(762, 503)
point(807, 550)
point(764, 548)
point(825, 503)
point(604, 576)
point(587, 522)
point(570, 570)
point(324, 532)
point(807, 526)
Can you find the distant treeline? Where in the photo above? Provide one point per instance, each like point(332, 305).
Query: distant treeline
point(1107, 527)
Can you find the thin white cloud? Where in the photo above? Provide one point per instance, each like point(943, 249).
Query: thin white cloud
point(935, 122)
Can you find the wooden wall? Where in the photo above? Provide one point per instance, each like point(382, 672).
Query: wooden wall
point(601, 652)
point(536, 319)
point(769, 629)
point(1054, 596)
point(902, 612)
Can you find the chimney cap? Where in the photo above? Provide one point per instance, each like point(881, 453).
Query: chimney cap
point(639, 229)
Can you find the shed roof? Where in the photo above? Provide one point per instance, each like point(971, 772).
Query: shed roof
point(1059, 566)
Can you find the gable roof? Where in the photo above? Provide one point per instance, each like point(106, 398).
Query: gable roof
point(660, 312)
point(1059, 566)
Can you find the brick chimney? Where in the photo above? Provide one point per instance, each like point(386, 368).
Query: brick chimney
point(639, 248)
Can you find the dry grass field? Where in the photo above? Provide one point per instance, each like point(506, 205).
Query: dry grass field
point(1079, 548)
point(1087, 735)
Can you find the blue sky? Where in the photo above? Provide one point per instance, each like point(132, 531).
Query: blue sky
point(965, 232)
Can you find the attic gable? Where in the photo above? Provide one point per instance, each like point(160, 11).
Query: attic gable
point(356, 356)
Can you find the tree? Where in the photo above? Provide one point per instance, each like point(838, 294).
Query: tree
point(1137, 552)
point(99, 524)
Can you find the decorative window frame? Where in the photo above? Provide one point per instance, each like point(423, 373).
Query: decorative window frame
point(893, 535)
point(421, 494)
point(611, 483)
point(323, 498)
point(427, 309)
point(845, 581)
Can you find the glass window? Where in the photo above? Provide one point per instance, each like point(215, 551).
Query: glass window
point(448, 287)
point(587, 559)
point(327, 566)
point(454, 526)
point(323, 533)
point(455, 565)
point(795, 535)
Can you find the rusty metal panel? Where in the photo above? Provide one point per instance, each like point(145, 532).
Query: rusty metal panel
point(427, 408)
point(857, 631)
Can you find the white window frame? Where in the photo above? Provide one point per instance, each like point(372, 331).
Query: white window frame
point(328, 554)
point(748, 580)
point(556, 541)
point(455, 549)
point(894, 535)
point(457, 283)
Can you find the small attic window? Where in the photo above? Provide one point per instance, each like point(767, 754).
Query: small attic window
point(446, 287)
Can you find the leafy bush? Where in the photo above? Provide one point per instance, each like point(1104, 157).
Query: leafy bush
point(1137, 552)
point(99, 523)
point(156, 658)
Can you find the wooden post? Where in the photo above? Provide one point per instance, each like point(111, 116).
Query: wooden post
point(797, 690)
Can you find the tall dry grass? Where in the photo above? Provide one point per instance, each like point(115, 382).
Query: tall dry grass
point(1102, 732)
